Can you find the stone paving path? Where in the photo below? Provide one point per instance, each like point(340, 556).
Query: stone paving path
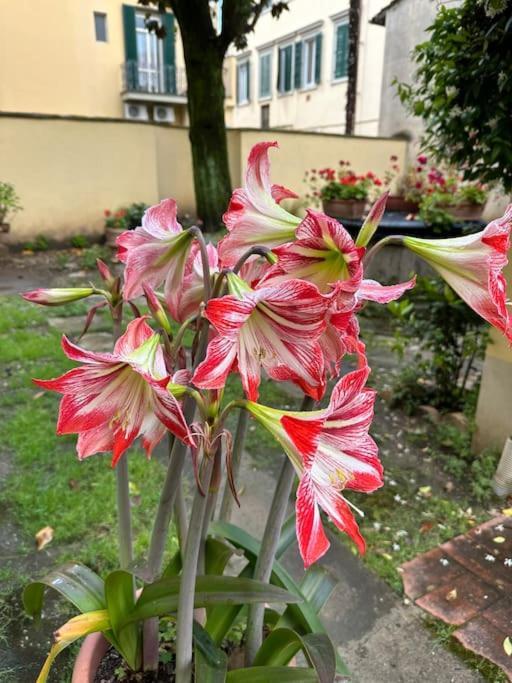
point(467, 582)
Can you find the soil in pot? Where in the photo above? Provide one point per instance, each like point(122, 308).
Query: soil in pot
point(113, 670)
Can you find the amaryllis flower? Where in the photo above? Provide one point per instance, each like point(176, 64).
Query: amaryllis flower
point(254, 216)
point(155, 252)
point(331, 451)
point(274, 327)
point(183, 302)
point(472, 265)
point(113, 398)
point(323, 253)
point(57, 296)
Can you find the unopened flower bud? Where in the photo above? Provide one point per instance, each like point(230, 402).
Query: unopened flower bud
point(57, 296)
point(156, 308)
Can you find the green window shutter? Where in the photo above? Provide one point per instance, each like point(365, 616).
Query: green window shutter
point(318, 59)
point(279, 58)
point(298, 66)
point(169, 54)
point(130, 47)
point(288, 57)
point(341, 57)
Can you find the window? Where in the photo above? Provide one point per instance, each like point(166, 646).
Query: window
point(265, 74)
point(149, 57)
point(308, 63)
point(243, 86)
point(340, 50)
point(265, 116)
point(100, 27)
point(285, 74)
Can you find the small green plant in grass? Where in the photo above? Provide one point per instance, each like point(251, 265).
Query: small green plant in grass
point(89, 256)
point(40, 243)
point(79, 241)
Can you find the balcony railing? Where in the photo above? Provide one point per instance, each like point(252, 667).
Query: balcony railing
point(164, 80)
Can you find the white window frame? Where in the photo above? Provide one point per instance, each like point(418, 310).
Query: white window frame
point(154, 76)
point(337, 22)
point(308, 43)
point(104, 16)
point(280, 53)
point(265, 53)
point(240, 63)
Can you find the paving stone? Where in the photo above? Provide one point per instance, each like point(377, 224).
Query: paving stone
point(457, 601)
point(481, 637)
point(427, 572)
point(500, 615)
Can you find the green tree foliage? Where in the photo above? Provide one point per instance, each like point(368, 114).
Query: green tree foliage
point(463, 89)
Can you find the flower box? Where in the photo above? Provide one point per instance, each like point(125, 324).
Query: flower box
point(399, 203)
point(465, 211)
point(344, 208)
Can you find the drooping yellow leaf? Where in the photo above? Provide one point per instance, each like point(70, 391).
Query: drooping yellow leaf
point(43, 537)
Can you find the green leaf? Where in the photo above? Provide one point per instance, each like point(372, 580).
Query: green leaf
point(287, 536)
point(120, 597)
point(174, 567)
point(75, 582)
point(217, 556)
point(283, 644)
point(161, 598)
point(211, 663)
point(316, 586)
point(271, 674)
point(301, 617)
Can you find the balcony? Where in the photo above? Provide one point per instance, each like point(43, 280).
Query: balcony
point(163, 84)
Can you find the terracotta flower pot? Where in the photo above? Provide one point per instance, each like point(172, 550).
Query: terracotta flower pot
point(344, 208)
point(89, 658)
point(399, 203)
point(466, 212)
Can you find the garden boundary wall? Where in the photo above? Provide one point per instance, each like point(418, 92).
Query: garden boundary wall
point(68, 170)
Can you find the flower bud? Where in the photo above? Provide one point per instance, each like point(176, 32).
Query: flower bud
point(57, 296)
point(104, 272)
point(156, 308)
point(372, 221)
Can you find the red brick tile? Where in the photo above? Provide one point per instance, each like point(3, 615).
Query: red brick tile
point(458, 600)
point(471, 550)
point(426, 572)
point(481, 637)
point(500, 615)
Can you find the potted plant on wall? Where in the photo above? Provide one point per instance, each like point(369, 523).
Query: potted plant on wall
point(409, 186)
point(9, 205)
point(125, 218)
point(342, 193)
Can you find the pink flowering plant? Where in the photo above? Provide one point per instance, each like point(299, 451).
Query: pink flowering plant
point(278, 297)
point(327, 184)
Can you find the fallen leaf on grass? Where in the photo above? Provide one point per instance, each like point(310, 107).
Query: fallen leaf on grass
point(425, 491)
point(451, 595)
point(38, 395)
point(43, 537)
point(507, 646)
point(73, 484)
point(426, 526)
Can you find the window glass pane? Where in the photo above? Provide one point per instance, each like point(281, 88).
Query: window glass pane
point(341, 56)
point(288, 68)
point(265, 75)
point(140, 21)
point(100, 26)
point(309, 61)
point(243, 83)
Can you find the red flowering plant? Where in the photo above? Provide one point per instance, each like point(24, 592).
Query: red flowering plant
point(326, 184)
point(280, 295)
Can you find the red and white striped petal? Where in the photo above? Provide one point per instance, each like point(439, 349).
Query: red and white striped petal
point(472, 265)
point(184, 301)
point(371, 290)
point(313, 543)
point(212, 373)
point(254, 215)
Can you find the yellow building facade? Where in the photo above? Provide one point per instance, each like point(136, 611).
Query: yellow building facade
point(95, 59)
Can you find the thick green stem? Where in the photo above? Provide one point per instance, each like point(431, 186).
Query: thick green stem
point(238, 447)
point(185, 616)
point(373, 251)
point(267, 554)
point(266, 557)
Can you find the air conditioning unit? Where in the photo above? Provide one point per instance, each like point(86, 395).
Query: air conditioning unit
point(137, 112)
point(163, 114)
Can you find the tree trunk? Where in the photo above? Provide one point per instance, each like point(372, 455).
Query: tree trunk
point(207, 129)
point(354, 22)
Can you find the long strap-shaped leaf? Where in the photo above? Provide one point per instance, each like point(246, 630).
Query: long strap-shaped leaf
point(301, 617)
point(271, 674)
point(120, 596)
point(75, 582)
point(282, 644)
point(211, 663)
point(161, 598)
point(72, 630)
